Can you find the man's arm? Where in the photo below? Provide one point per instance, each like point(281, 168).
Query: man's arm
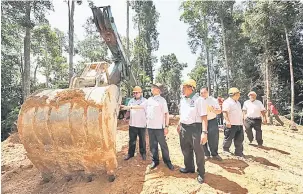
point(226, 118)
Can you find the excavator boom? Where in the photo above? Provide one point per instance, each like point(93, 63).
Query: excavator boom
point(106, 26)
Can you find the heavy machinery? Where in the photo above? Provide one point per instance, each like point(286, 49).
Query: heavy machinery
point(67, 131)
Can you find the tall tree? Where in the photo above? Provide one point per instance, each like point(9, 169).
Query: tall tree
point(146, 19)
point(170, 74)
point(71, 10)
point(28, 14)
point(92, 48)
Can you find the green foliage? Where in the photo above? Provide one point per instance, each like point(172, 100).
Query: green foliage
point(170, 74)
point(199, 74)
point(92, 48)
point(146, 19)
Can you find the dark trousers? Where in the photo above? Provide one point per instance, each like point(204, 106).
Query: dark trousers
point(220, 119)
point(234, 133)
point(133, 133)
point(256, 123)
point(211, 147)
point(156, 136)
point(190, 141)
point(277, 118)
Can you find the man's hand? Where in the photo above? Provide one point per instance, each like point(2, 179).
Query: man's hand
point(123, 107)
point(228, 125)
point(165, 131)
point(210, 108)
point(178, 128)
point(203, 138)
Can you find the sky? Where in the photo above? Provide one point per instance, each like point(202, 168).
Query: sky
point(172, 32)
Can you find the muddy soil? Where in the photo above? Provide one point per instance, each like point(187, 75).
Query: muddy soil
point(277, 167)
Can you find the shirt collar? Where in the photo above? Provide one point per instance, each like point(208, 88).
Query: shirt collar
point(190, 96)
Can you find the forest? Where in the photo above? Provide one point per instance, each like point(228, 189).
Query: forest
point(252, 45)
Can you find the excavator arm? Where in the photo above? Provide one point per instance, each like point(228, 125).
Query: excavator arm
point(106, 26)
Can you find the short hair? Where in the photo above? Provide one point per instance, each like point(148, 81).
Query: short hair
point(204, 88)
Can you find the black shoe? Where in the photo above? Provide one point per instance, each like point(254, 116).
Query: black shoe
point(200, 179)
point(153, 165)
point(217, 157)
point(170, 166)
point(127, 157)
point(184, 170)
point(143, 156)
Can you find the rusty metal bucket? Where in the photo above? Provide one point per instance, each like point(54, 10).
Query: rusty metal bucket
point(70, 130)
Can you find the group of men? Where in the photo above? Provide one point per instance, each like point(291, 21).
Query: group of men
point(197, 128)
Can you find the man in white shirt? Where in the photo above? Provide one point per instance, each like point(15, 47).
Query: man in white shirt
point(233, 117)
point(137, 125)
point(253, 110)
point(213, 108)
point(157, 124)
point(193, 114)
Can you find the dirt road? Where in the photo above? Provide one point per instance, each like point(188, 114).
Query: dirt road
point(275, 168)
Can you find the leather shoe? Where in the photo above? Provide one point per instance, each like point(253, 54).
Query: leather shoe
point(200, 179)
point(170, 166)
point(127, 157)
point(217, 157)
point(184, 170)
point(153, 165)
point(143, 157)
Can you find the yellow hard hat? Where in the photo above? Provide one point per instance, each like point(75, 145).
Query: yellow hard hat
point(137, 89)
point(233, 91)
point(190, 82)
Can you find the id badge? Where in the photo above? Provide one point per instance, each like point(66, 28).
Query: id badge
point(192, 103)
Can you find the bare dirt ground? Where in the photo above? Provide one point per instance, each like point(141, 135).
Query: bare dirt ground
point(275, 168)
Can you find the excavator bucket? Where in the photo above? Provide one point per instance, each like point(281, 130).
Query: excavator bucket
point(70, 130)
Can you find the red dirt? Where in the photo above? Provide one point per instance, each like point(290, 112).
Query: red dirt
point(275, 168)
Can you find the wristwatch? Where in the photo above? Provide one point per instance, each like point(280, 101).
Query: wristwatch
point(204, 132)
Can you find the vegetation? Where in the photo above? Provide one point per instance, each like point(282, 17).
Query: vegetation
point(253, 45)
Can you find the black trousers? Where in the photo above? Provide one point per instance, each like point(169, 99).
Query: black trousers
point(133, 133)
point(190, 141)
point(211, 147)
point(236, 134)
point(220, 119)
point(156, 136)
point(250, 123)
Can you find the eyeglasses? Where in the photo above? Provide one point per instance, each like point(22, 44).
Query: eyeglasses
point(136, 92)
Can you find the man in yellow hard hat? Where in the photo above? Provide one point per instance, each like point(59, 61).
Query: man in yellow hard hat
point(157, 124)
point(253, 110)
point(137, 125)
point(233, 130)
point(193, 114)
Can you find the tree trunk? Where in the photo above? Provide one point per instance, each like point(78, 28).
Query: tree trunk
point(207, 54)
point(71, 36)
point(35, 75)
point(127, 29)
point(27, 50)
point(22, 77)
point(292, 82)
point(225, 52)
point(267, 78)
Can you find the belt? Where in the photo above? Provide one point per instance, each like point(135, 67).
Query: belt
point(188, 125)
point(254, 118)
